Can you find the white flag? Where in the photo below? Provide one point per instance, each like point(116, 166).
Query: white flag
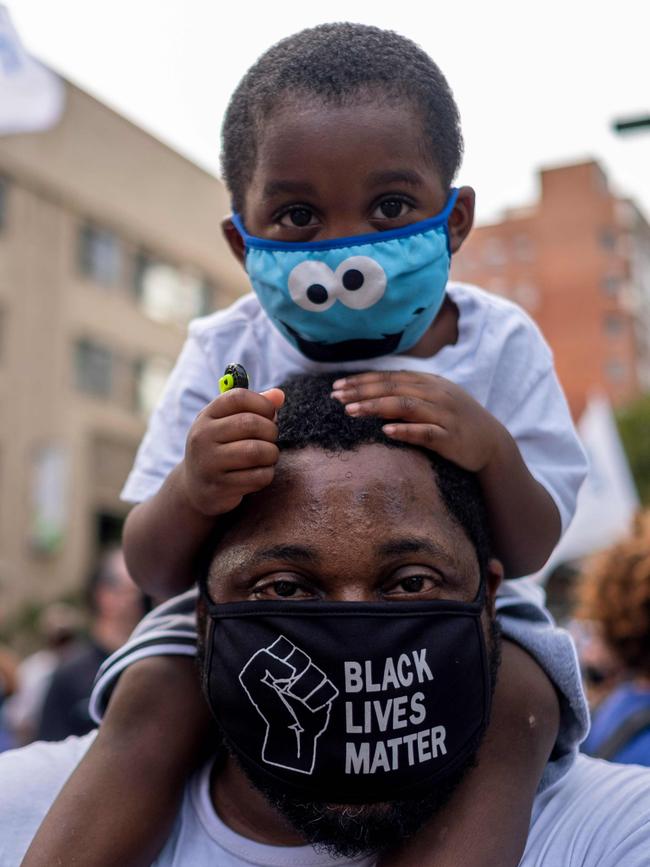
point(608, 499)
point(31, 97)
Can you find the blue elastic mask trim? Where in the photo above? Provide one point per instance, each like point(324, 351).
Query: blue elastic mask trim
point(351, 240)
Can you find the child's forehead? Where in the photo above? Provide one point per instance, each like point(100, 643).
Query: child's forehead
point(370, 134)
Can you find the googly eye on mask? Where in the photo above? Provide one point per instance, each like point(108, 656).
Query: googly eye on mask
point(356, 297)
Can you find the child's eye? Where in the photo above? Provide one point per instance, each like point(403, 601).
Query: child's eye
point(391, 209)
point(296, 217)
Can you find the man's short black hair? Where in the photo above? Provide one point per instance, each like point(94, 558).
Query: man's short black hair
point(310, 417)
point(338, 63)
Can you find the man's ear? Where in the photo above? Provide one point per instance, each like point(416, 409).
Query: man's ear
point(234, 240)
point(493, 578)
point(461, 218)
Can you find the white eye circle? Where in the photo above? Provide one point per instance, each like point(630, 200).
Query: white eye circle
point(313, 286)
point(363, 281)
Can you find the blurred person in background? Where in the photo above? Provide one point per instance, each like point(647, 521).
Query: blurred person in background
point(58, 627)
point(615, 598)
point(116, 605)
point(8, 668)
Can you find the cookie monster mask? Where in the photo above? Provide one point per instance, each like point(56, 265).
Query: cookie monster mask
point(357, 297)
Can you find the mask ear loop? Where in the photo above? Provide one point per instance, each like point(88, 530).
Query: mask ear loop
point(481, 593)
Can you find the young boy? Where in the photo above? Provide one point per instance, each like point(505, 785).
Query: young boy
point(339, 149)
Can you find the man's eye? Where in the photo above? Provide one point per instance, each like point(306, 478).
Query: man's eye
point(285, 588)
point(414, 584)
point(391, 209)
point(296, 218)
point(281, 589)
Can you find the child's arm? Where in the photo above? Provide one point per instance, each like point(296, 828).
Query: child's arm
point(436, 414)
point(230, 452)
point(119, 805)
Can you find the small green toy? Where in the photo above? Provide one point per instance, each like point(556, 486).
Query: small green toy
point(234, 376)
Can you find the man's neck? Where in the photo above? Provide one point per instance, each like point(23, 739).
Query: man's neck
point(245, 810)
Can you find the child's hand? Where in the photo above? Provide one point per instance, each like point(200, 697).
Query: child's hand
point(231, 450)
point(432, 412)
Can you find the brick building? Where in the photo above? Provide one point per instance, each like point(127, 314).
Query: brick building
point(109, 244)
point(579, 262)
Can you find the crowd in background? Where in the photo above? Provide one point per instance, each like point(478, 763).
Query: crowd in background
point(45, 696)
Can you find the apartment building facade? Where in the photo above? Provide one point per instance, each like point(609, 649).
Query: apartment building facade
point(579, 262)
point(109, 243)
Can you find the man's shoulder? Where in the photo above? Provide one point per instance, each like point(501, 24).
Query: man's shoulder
point(598, 813)
point(30, 780)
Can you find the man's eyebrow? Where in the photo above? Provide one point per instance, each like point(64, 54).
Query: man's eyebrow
point(278, 187)
point(286, 552)
point(395, 176)
point(413, 545)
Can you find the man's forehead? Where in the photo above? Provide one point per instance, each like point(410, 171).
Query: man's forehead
point(351, 500)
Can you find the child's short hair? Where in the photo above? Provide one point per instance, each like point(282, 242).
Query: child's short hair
point(337, 63)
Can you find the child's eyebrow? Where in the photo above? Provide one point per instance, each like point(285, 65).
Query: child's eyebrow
point(274, 188)
point(394, 176)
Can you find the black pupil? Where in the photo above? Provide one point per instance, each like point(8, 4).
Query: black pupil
point(285, 588)
point(353, 279)
point(317, 294)
point(391, 208)
point(300, 216)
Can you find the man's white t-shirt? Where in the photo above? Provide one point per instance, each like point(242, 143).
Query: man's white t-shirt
point(500, 358)
point(597, 815)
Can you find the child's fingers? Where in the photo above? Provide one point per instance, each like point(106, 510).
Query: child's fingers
point(275, 395)
point(246, 455)
point(369, 390)
point(430, 436)
point(392, 380)
point(242, 426)
point(240, 400)
point(405, 407)
point(248, 481)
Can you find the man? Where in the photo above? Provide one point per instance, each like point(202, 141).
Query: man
point(349, 653)
point(116, 605)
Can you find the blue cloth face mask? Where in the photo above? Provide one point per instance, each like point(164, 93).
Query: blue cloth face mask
point(357, 297)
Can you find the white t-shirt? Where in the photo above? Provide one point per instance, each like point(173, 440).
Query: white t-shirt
point(500, 358)
point(597, 815)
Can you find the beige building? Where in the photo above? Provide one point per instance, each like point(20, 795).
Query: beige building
point(109, 244)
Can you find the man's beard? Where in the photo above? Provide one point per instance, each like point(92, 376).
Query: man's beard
point(350, 830)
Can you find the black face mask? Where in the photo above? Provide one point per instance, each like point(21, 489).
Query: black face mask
point(349, 702)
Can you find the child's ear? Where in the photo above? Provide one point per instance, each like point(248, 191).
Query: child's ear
point(461, 218)
point(234, 240)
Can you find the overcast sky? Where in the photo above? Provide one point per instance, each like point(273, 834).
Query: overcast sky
point(537, 83)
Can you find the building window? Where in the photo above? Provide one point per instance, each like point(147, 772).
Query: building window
point(150, 376)
point(610, 284)
point(528, 296)
point(100, 255)
point(169, 294)
point(494, 252)
point(523, 248)
point(616, 370)
point(93, 366)
point(613, 324)
point(607, 239)
point(4, 197)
